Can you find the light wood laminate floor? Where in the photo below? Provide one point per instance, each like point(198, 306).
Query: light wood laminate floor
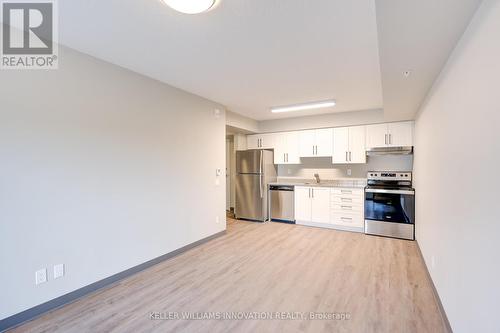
point(380, 282)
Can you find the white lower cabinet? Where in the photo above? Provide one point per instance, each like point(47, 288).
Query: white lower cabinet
point(320, 212)
point(303, 204)
point(347, 208)
point(312, 204)
point(336, 208)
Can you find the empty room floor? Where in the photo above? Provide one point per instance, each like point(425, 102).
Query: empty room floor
point(371, 284)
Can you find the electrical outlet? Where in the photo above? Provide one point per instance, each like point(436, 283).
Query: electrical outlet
point(41, 276)
point(217, 113)
point(289, 171)
point(58, 271)
point(217, 219)
point(349, 172)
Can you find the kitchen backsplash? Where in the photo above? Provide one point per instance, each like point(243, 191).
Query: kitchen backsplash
point(326, 170)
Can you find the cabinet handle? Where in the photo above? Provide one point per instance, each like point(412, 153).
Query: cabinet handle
point(313, 150)
point(390, 139)
point(346, 207)
point(350, 157)
point(346, 157)
point(346, 218)
point(385, 138)
point(346, 199)
point(312, 192)
point(346, 191)
point(316, 150)
point(309, 193)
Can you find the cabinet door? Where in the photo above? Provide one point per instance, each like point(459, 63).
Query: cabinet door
point(340, 145)
point(320, 211)
point(307, 142)
point(268, 141)
point(401, 134)
point(324, 142)
point(302, 204)
point(253, 141)
point(357, 148)
point(280, 148)
point(376, 136)
point(292, 148)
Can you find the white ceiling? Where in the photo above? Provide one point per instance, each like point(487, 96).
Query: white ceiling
point(416, 35)
point(252, 55)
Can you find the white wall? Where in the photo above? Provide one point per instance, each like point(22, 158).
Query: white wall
point(327, 171)
point(457, 177)
point(323, 121)
point(100, 169)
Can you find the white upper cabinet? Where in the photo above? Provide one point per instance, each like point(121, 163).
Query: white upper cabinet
point(307, 143)
point(340, 145)
point(324, 142)
point(253, 141)
point(261, 141)
point(389, 135)
point(357, 144)
point(376, 136)
point(349, 145)
point(400, 134)
point(286, 148)
point(316, 143)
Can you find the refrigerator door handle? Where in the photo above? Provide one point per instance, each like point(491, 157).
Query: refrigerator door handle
point(261, 175)
point(260, 186)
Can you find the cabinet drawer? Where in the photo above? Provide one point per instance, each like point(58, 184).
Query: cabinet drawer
point(347, 199)
point(348, 191)
point(347, 208)
point(347, 220)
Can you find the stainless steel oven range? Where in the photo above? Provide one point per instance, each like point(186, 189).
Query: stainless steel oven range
point(390, 205)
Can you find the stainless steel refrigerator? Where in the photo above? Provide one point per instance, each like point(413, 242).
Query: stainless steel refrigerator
point(255, 169)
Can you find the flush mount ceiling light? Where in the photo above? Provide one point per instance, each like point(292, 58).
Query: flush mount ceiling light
point(190, 6)
point(305, 106)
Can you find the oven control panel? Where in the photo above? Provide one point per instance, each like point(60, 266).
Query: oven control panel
point(389, 175)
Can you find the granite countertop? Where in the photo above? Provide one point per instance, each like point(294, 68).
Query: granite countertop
point(346, 183)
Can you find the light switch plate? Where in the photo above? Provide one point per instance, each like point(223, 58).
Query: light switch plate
point(58, 271)
point(41, 276)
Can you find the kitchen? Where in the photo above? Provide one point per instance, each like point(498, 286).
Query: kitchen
point(353, 178)
point(360, 142)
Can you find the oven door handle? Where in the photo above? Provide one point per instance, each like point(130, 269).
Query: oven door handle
point(371, 190)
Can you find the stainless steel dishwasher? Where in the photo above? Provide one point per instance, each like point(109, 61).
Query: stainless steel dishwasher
point(281, 199)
